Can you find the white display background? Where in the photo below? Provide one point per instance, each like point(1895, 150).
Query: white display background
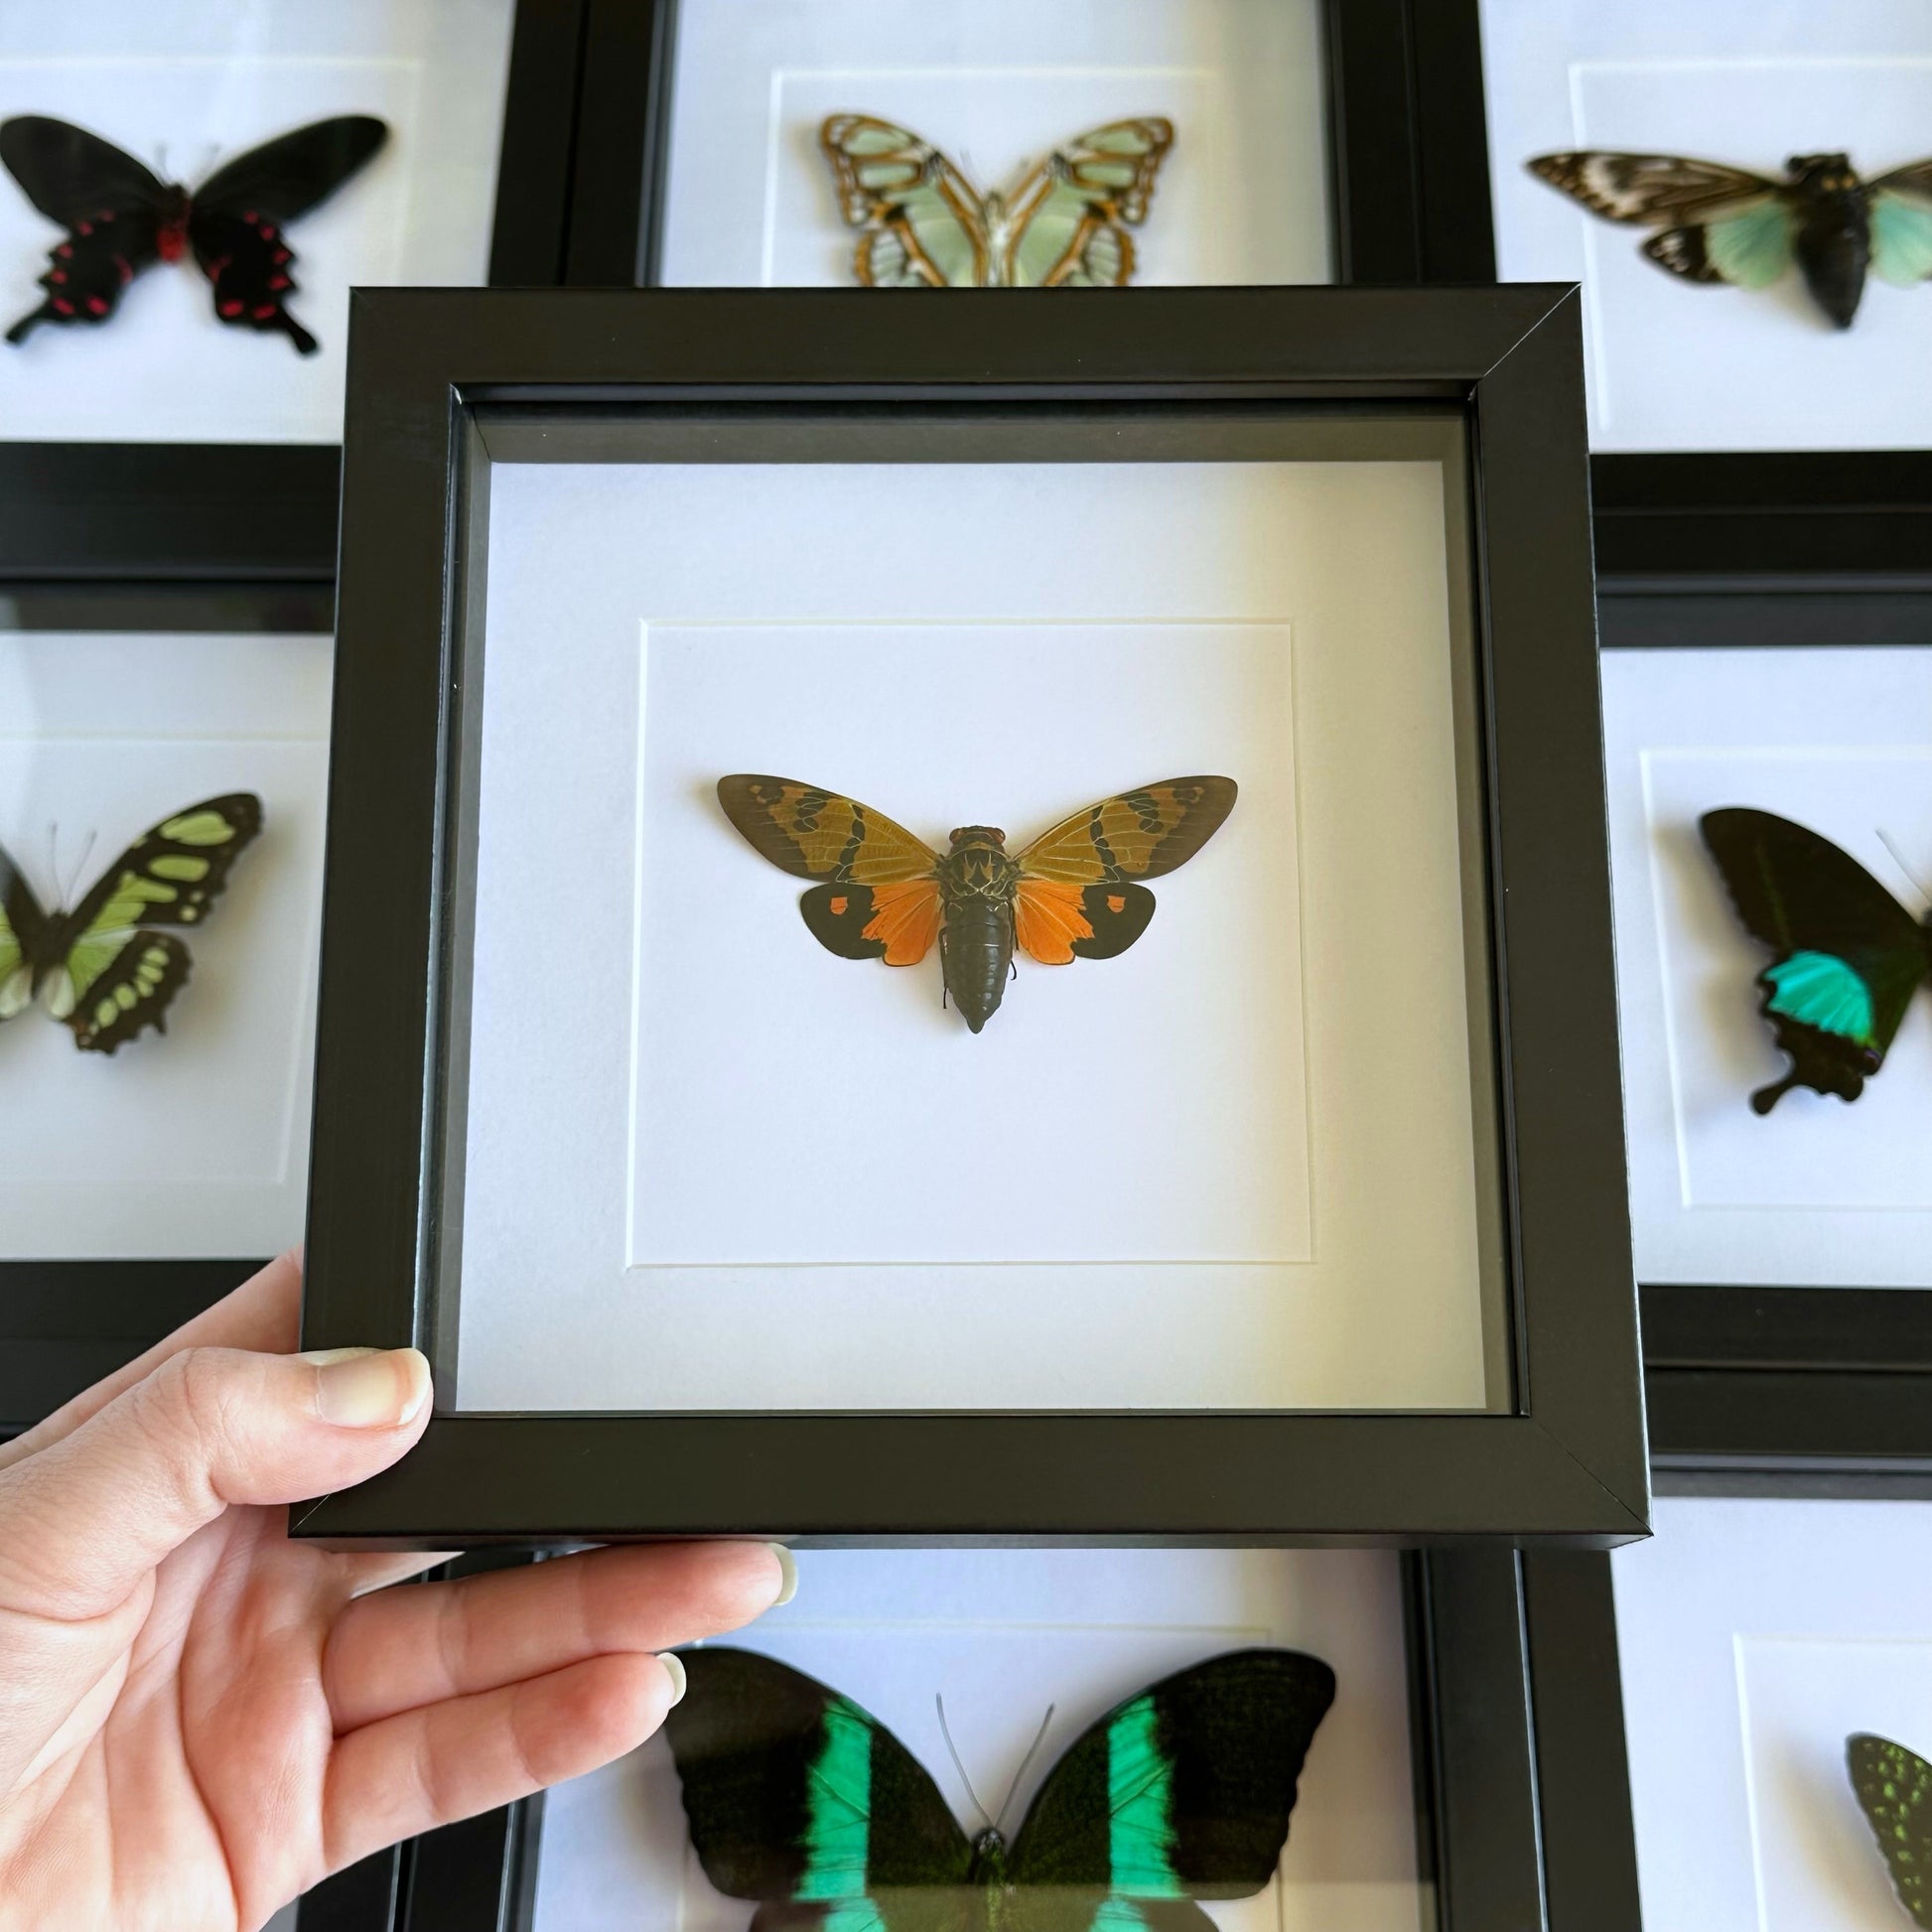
point(1152, 1180)
point(1755, 1636)
point(1675, 365)
point(192, 1142)
point(1001, 1635)
point(994, 85)
point(185, 87)
point(1818, 1191)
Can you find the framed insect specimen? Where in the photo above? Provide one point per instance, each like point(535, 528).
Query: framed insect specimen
point(174, 947)
point(182, 194)
point(1461, 1808)
point(1229, 1015)
point(1301, 141)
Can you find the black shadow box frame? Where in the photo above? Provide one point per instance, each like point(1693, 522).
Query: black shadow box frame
point(267, 511)
point(1409, 159)
point(64, 1325)
point(1824, 1385)
point(1522, 1799)
point(446, 383)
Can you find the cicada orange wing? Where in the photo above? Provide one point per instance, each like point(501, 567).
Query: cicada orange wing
point(1079, 894)
point(880, 896)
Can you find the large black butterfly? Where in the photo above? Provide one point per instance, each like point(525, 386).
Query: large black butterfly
point(102, 968)
point(1728, 225)
point(1849, 956)
point(804, 1802)
point(119, 218)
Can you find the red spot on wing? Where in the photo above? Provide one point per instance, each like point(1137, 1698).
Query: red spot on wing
point(839, 906)
point(62, 306)
point(96, 305)
point(1115, 904)
point(228, 308)
point(264, 312)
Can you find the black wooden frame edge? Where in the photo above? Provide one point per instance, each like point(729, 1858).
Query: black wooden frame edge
point(1513, 351)
point(267, 511)
point(1408, 151)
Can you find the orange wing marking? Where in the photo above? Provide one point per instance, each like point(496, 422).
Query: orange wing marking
point(1046, 920)
point(907, 916)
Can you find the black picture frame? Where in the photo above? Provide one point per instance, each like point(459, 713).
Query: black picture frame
point(1778, 1383)
point(450, 381)
point(1522, 1800)
point(1409, 159)
point(64, 1325)
point(264, 512)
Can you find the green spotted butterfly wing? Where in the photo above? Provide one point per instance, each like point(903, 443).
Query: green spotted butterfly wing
point(1895, 1789)
point(1847, 956)
point(104, 968)
point(799, 1799)
point(927, 226)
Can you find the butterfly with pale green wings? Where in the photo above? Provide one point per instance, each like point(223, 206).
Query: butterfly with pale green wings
point(1894, 1791)
point(103, 969)
point(1726, 224)
point(804, 1802)
point(1063, 226)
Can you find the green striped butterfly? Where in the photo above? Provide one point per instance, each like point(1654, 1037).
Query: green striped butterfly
point(1848, 956)
point(102, 968)
point(1064, 225)
point(1716, 223)
point(1894, 1790)
point(799, 1799)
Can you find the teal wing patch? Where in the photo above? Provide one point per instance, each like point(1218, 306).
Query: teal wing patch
point(1823, 991)
point(1752, 248)
point(1902, 226)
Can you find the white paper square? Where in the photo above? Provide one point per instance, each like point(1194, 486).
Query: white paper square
point(1001, 1635)
point(995, 85)
point(596, 1034)
point(192, 1142)
point(185, 88)
point(1674, 365)
point(1754, 1637)
point(1818, 1191)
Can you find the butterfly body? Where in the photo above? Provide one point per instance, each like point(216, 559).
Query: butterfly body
point(1064, 225)
point(1719, 224)
point(801, 1800)
point(120, 218)
point(1073, 893)
point(104, 968)
point(1848, 958)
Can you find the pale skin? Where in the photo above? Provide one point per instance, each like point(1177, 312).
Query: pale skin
point(199, 1719)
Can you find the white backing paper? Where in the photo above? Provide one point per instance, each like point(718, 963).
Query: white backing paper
point(192, 1142)
point(997, 84)
point(1001, 1635)
point(1819, 1192)
point(1755, 1636)
point(1152, 1180)
point(1679, 365)
point(187, 86)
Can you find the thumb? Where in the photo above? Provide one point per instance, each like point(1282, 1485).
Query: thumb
point(83, 1521)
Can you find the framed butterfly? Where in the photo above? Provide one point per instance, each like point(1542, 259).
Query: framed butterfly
point(103, 969)
point(1894, 1791)
point(1074, 893)
point(801, 1800)
point(1063, 225)
point(1847, 956)
point(1726, 224)
point(119, 218)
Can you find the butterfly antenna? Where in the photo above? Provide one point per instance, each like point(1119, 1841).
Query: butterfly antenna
point(1026, 1765)
point(945, 1731)
point(74, 884)
point(1898, 858)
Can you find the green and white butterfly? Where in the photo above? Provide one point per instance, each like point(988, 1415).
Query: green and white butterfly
point(802, 1801)
point(103, 969)
point(1063, 226)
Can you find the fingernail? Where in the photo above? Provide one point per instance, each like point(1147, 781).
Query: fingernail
point(369, 1388)
point(789, 1568)
point(675, 1670)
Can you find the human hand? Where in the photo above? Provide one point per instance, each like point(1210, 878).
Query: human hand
point(199, 1719)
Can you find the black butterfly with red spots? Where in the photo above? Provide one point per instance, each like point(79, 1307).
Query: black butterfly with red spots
point(119, 218)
